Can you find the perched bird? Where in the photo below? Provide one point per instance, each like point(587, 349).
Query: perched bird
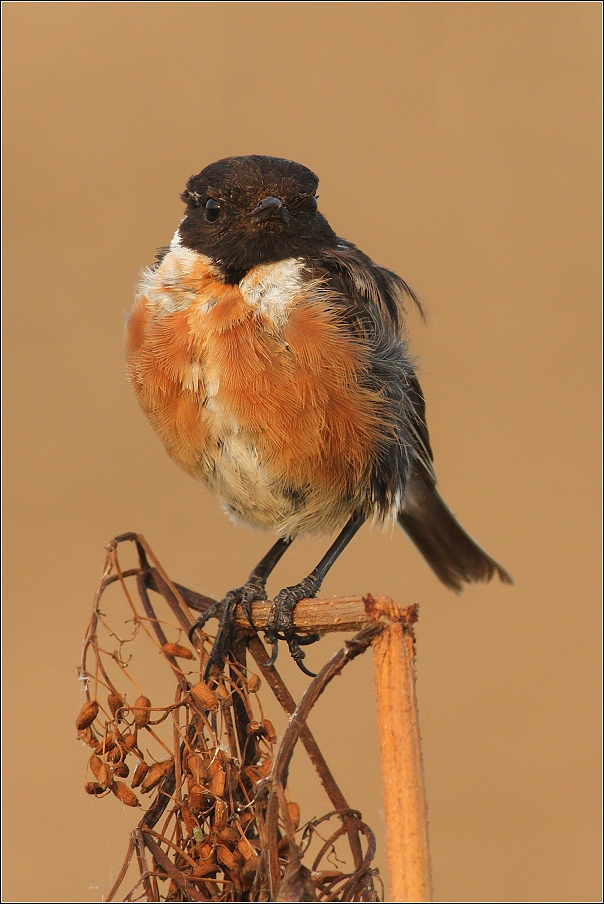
point(270, 356)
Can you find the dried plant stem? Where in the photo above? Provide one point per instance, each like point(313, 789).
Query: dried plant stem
point(297, 722)
point(179, 877)
point(312, 748)
point(324, 616)
point(230, 832)
point(122, 873)
point(400, 745)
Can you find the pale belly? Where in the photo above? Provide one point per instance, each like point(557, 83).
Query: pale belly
point(264, 483)
point(252, 494)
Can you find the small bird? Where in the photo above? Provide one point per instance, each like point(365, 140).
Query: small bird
point(271, 358)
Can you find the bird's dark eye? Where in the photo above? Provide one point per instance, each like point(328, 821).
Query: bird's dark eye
point(312, 204)
point(212, 210)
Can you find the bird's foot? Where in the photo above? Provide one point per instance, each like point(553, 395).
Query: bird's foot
point(280, 622)
point(253, 589)
point(212, 612)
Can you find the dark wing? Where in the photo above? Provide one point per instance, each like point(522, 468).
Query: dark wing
point(373, 301)
point(366, 284)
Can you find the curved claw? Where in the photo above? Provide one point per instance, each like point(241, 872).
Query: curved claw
point(192, 631)
point(303, 668)
point(201, 620)
point(197, 624)
point(293, 642)
point(280, 624)
point(216, 661)
point(249, 597)
point(274, 641)
point(247, 611)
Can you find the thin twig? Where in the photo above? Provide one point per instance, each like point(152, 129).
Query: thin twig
point(123, 871)
point(326, 778)
point(349, 651)
point(178, 876)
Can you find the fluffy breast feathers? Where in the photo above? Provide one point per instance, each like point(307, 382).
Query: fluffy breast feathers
point(256, 388)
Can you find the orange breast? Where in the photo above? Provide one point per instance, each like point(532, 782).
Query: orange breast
point(255, 390)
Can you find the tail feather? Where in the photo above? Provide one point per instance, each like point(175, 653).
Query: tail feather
point(450, 552)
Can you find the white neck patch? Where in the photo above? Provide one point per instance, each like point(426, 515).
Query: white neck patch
point(271, 288)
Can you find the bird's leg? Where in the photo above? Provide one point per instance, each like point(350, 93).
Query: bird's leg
point(255, 586)
point(253, 589)
point(280, 622)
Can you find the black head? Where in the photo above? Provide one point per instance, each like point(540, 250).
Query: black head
point(245, 211)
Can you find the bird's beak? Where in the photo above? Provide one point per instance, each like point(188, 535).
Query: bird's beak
point(271, 209)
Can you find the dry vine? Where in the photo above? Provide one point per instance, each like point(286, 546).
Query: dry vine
point(219, 826)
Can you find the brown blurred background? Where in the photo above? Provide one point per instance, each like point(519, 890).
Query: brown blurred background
point(456, 143)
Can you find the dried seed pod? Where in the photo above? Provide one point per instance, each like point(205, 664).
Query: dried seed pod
point(213, 767)
point(253, 684)
point(255, 728)
point(249, 870)
point(294, 814)
point(225, 856)
point(222, 693)
point(218, 782)
point(217, 762)
point(129, 740)
point(122, 770)
point(139, 774)
point(94, 788)
point(116, 755)
point(115, 701)
point(175, 649)
point(204, 697)
point(229, 835)
point(251, 774)
point(196, 797)
point(95, 764)
point(105, 776)
point(87, 715)
point(154, 775)
point(283, 846)
point(188, 819)
point(195, 766)
point(269, 731)
point(140, 711)
point(221, 814)
point(326, 875)
point(195, 849)
point(205, 851)
point(88, 737)
point(204, 868)
point(124, 794)
point(104, 746)
point(245, 849)
point(263, 765)
point(245, 819)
